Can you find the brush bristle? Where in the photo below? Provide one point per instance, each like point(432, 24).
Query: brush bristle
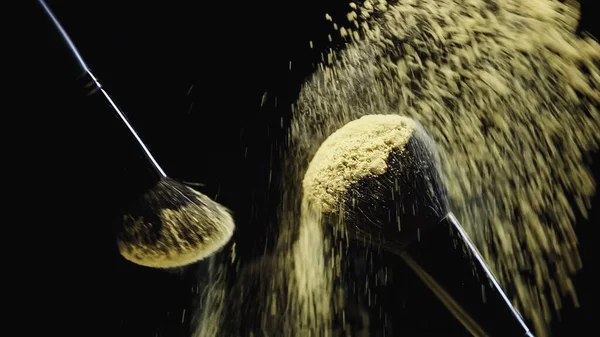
point(401, 195)
point(173, 225)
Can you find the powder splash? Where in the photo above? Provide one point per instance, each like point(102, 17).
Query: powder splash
point(509, 93)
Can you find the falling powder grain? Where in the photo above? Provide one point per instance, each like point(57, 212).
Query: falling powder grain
point(509, 93)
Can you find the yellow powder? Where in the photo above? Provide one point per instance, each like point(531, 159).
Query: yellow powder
point(184, 235)
point(369, 139)
point(510, 95)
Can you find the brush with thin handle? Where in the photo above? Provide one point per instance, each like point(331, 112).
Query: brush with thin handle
point(170, 225)
point(379, 176)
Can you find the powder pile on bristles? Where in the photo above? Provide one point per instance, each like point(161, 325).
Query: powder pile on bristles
point(370, 141)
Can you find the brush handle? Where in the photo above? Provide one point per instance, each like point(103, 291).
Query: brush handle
point(452, 267)
point(447, 300)
point(94, 89)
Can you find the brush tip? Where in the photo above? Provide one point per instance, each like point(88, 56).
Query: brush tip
point(172, 225)
point(381, 173)
point(358, 149)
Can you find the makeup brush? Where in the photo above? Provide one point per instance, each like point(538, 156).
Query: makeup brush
point(170, 225)
point(379, 176)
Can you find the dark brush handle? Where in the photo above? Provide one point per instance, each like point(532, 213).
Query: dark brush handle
point(449, 264)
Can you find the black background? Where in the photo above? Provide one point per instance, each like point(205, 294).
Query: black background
point(191, 77)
